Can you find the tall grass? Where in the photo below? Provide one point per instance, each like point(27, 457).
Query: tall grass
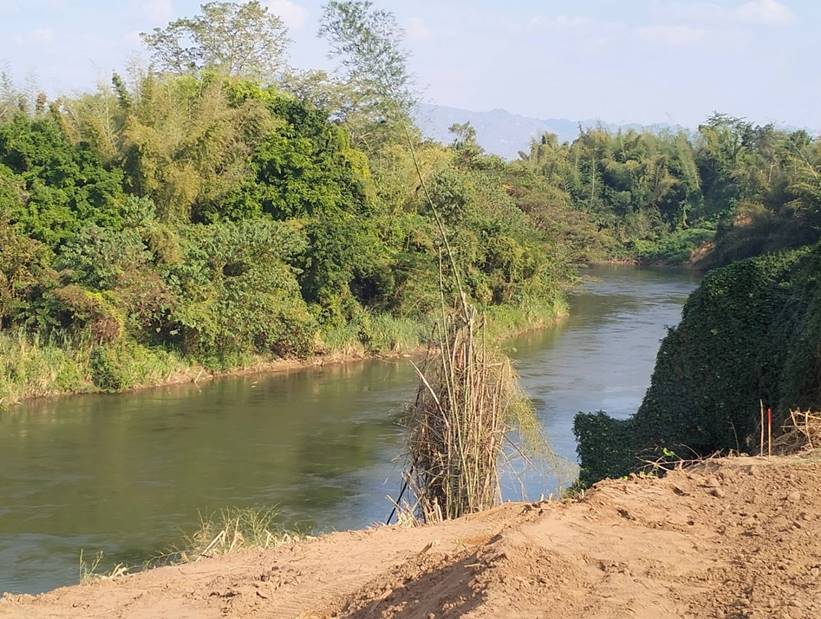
point(504, 321)
point(459, 420)
point(467, 402)
point(375, 334)
point(229, 530)
point(33, 367)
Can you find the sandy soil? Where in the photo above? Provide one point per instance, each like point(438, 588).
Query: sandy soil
point(728, 538)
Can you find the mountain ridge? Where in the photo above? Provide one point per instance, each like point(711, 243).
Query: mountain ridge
point(506, 133)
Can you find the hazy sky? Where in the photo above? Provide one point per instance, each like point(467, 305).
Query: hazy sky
point(614, 60)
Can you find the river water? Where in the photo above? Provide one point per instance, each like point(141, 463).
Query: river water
point(129, 474)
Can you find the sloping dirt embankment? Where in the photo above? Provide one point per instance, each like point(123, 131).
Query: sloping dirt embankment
point(736, 537)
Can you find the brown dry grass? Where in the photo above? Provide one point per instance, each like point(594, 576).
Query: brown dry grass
point(802, 431)
point(459, 421)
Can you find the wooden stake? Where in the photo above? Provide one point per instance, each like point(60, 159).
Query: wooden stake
point(769, 432)
point(761, 450)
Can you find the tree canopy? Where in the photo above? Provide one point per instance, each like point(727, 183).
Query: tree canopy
point(240, 39)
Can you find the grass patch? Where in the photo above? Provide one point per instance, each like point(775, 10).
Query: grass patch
point(374, 334)
point(31, 367)
point(125, 365)
point(228, 530)
point(233, 529)
point(504, 321)
point(90, 570)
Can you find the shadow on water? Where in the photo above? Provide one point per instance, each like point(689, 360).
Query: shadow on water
point(127, 474)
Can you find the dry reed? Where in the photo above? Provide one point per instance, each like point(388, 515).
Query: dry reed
point(463, 410)
point(800, 432)
point(467, 401)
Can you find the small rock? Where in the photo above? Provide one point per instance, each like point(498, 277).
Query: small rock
point(718, 493)
point(794, 497)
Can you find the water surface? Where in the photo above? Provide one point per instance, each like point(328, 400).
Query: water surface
point(127, 474)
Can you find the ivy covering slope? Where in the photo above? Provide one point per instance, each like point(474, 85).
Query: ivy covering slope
point(751, 332)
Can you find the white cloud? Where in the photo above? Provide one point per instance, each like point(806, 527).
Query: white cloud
point(557, 22)
point(38, 35)
point(678, 36)
point(293, 14)
point(417, 29)
point(768, 12)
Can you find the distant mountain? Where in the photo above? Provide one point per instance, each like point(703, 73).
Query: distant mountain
point(503, 133)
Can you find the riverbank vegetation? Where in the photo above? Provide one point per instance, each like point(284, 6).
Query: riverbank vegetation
point(218, 208)
point(209, 217)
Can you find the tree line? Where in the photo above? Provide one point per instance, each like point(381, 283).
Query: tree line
point(214, 207)
point(752, 189)
point(219, 205)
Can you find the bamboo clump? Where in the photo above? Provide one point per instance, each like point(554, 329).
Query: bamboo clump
point(459, 421)
point(467, 401)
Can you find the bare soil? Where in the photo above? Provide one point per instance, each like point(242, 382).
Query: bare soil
point(730, 538)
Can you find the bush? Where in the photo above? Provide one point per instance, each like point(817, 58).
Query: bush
point(237, 293)
point(125, 365)
point(64, 186)
point(605, 445)
point(25, 274)
point(88, 313)
point(671, 248)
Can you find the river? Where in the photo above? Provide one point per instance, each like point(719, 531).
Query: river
point(129, 474)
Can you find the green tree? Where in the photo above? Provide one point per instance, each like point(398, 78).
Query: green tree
point(244, 40)
point(373, 64)
point(60, 186)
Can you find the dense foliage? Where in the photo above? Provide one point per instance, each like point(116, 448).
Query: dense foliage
point(214, 219)
point(750, 333)
point(219, 207)
point(660, 196)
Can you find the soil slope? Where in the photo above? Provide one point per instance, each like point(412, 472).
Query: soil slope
point(736, 537)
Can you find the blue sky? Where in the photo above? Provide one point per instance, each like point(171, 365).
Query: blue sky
point(614, 60)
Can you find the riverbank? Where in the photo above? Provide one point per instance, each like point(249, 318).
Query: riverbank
point(31, 369)
point(728, 537)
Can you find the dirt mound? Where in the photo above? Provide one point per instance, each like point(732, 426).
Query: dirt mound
point(736, 537)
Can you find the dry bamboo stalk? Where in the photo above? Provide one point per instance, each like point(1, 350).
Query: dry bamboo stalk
point(769, 432)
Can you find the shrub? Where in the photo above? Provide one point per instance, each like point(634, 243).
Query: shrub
point(64, 186)
point(237, 293)
point(671, 248)
point(125, 365)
